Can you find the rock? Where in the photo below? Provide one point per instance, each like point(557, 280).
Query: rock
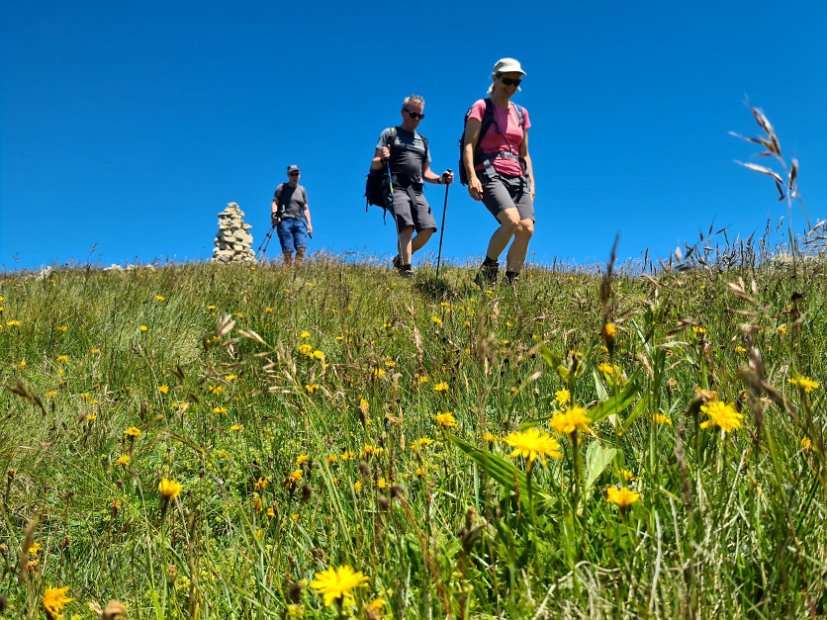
point(233, 244)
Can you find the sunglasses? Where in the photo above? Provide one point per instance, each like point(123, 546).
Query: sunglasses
point(415, 114)
point(293, 174)
point(510, 81)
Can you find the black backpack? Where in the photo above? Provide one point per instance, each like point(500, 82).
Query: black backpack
point(379, 184)
point(487, 121)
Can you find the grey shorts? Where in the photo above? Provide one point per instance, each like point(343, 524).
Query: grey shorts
point(505, 192)
point(411, 209)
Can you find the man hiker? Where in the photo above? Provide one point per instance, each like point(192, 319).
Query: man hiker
point(290, 214)
point(405, 152)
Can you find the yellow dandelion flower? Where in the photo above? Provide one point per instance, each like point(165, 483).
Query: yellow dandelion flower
point(230, 378)
point(13, 323)
point(806, 444)
point(567, 422)
point(421, 472)
point(22, 364)
point(91, 417)
point(51, 394)
point(436, 321)
point(489, 438)
point(421, 442)
point(661, 419)
point(211, 308)
point(54, 600)
point(305, 349)
point(163, 389)
point(133, 432)
point(722, 415)
point(740, 349)
point(628, 475)
point(622, 497)
point(236, 427)
point(533, 443)
point(170, 489)
point(262, 483)
point(124, 460)
point(421, 379)
point(378, 373)
point(296, 476)
point(348, 455)
point(382, 483)
point(358, 486)
point(160, 298)
point(781, 329)
point(301, 459)
point(442, 386)
point(311, 388)
point(805, 384)
point(215, 389)
point(610, 331)
point(445, 420)
point(304, 335)
point(389, 363)
point(336, 585)
point(35, 548)
point(563, 397)
point(62, 328)
point(144, 328)
point(374, 609)
point(62, 359)
point(332, 458)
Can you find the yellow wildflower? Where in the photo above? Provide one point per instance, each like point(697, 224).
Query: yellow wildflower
point(436, 321)
point(722, 415)
point(230, 378)
point(532, 443)
point(62, 328)
point(806, 444)
point(170, 489)
point(575, 419)
point(358, 486)
point(382, 483)
point(563, 397)
point(54, 600)
point(219, 410)
point(419, 443)
point(62, 359)
point(13, 323)
point(420, 379)
point(304, 335)
point(336, 585)
point(160, 298)
point(421, 472)
point(296, 476)
point(236, 427)
point(124, 460)
point(610, 331)
point(622, 497)
point(301, 459)
point(805, 384)
point(661, 418)
point(445, 420)
point(311, 388)
point(163, 389)
point(133, 432)
point(442, 386)
point(143, 328)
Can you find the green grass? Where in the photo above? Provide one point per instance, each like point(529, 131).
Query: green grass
point(726, 526)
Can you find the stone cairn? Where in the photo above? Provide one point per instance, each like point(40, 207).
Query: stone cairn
point(233, 244)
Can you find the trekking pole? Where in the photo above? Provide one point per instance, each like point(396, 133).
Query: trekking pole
point(442, 228)
point(262, 248)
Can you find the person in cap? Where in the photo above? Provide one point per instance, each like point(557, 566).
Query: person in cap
point(405, 151)
point(499, 170)
point(290, 214)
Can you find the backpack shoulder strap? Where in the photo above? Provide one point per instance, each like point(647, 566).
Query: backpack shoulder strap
point(487, 118)
point(521, 115)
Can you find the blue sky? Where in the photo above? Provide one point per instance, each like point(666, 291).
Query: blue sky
point(125, 127)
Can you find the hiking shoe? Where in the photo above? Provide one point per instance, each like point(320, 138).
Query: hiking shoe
point(486, 275)
point(397, 262)
point(406, 272)
point(512, 277)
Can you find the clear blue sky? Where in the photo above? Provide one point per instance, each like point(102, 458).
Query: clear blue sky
point(127, 126)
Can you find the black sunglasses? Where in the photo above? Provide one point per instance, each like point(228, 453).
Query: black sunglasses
point(414, 114)
point(511, 81)
point(292, 174)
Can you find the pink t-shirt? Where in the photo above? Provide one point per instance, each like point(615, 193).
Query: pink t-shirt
point(508, 122)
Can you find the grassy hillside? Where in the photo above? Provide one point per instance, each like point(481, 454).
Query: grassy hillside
point(575, 446)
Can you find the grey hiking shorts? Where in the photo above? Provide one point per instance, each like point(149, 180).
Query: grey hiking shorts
point(411, 209)
point(505, 192)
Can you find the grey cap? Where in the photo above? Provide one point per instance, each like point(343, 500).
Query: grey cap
point(292, 168)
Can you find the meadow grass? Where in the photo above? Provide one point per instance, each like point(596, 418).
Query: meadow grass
point(303, 414)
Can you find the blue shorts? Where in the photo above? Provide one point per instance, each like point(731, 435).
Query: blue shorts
point(292, 234)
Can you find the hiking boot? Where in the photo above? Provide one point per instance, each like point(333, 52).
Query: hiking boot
point(397, 262)
point(405, 271)
point(512, 277)
point(487, 275)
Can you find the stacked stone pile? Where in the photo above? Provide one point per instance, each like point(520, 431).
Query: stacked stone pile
point(233, 244)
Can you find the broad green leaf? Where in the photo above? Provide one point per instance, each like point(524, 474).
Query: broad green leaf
point(502, 471)
point(602, 394)
point(616, 403)
point(598, 459)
